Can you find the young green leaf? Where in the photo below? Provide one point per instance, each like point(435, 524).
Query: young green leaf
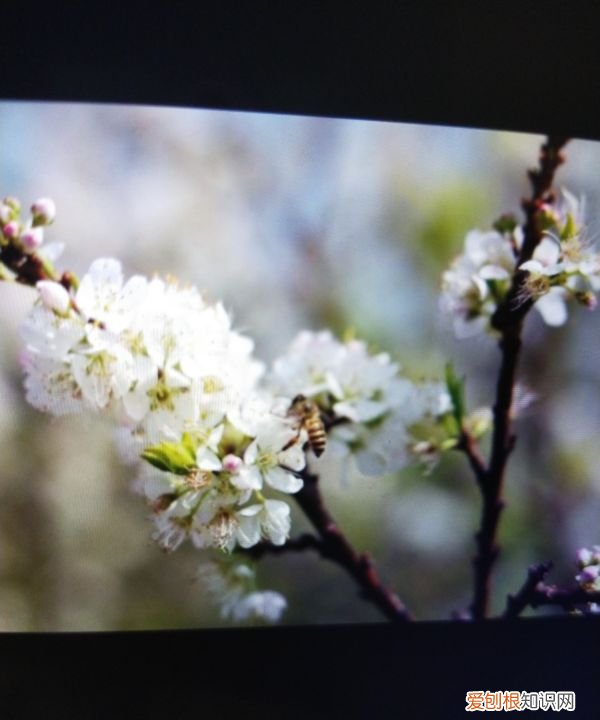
point(456, 390)
point(178, 458)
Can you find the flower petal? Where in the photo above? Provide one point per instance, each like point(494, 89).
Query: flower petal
point(553, 307)
point(284, 481)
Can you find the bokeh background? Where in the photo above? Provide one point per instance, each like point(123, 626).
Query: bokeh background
point(294, 222)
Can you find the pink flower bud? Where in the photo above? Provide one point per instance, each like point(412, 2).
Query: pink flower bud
point(43, 211)
point(11, 229)
point(54, 296)
point(32, 238)
point(232, 463)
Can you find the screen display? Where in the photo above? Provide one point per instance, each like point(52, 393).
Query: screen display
point(275, 369)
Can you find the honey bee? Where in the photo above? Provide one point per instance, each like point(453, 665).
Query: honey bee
point(308, 417)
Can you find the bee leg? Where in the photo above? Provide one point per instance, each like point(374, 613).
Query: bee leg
point(291, 442)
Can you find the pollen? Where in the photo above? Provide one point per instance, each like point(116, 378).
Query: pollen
point(536, 285)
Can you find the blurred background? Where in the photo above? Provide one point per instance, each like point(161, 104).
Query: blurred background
point(294, 222)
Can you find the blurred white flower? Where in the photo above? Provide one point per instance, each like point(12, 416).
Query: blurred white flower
point(233, 590)
point(266, 605)
point(476, 279)
point(54, 296)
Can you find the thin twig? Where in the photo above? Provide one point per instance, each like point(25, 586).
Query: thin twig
point(508, 319)
point(336, 547)
point(306, 541)
point(535, 593)
point(468, 445)
point(566, 598)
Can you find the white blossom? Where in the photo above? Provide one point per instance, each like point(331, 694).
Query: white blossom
point(563, 267)
point(476, 279)
point(270, 520)
point(233, 590)
point(269, 458)
point(54, 296)
point(267, 605)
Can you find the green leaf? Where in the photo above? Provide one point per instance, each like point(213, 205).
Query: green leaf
point(178, 458)
point(456, 390)
point(569, 229)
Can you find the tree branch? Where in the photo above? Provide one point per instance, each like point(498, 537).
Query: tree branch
point(515, 604)
point(333, 545)
point(306, 541)
point(535, 593)
point(468, 445)
point(566, 598)
point(28, 267)
point(508, 319)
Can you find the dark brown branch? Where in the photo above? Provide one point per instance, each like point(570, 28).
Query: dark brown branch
point(517, 603)
point(508, 319)
point(306, 541)
point(535, 593)
point(28, 267)
point(335, 546)
point(566, 598)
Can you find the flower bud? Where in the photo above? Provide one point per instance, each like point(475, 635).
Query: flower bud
point(54, 296)
point(548, 217)
point(13, 203)
point(587, 299)
point(32, 238)
point(232, 463)
point(583, 557)
point(11, 229)
point(424, 449)
point(6, 213)
point(43, 211)
point(478, 422)
point(505, 223)
point(589, 574)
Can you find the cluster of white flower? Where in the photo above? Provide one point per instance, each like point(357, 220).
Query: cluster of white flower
point(563, 267)
point(233, 589)
point(181, 383)
point(218, 436)
point(478, 280)
point(371, 409)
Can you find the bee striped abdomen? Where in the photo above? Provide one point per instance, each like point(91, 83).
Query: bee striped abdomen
point(317, 437)
point(309, 418)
